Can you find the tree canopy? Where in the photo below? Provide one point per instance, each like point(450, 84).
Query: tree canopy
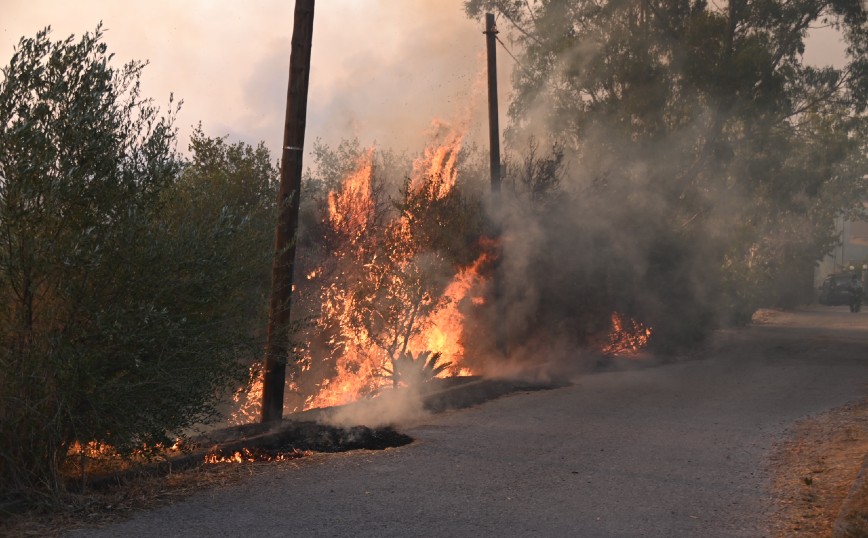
point(704, 122)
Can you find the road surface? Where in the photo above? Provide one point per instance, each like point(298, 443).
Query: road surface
point(674, 450)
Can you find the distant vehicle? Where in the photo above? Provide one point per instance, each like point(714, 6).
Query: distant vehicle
point(855, 294)
point(836, 290)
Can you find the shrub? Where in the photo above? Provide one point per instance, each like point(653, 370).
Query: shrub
point(128, 289)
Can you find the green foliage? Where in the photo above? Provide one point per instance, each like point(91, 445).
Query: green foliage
point(127, 275)
point(231, 187)
point(703, 123)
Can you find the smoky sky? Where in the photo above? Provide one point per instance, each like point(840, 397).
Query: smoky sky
point(381, 70)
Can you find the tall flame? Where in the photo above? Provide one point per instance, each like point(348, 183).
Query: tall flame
point(375, 301)
point(364, 355)
point(437, 163)
point(447, 324)
point(350, 211)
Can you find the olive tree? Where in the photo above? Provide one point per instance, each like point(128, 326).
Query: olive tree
point(126, 305)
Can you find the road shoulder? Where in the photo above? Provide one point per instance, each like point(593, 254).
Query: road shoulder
point(813, 469)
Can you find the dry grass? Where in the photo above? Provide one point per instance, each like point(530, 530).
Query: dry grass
point(97, 508)
point(813, 471)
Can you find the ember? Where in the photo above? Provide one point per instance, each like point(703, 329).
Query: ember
point(248, 399)
point(626, 337)
point(254, 455)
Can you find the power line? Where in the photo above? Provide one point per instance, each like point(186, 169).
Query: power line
point(511, 55)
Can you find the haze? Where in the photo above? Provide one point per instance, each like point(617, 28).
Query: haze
point(381, 69)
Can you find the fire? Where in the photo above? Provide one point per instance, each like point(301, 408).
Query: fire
point(437, 163)
point(447, 324)
point(248, 399)
point(237, 457)
point(246, 455)
point(388, 309)
point(351, 210)
point(627, 336)
point(377, 298)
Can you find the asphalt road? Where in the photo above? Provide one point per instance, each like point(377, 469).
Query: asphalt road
point(674, 450)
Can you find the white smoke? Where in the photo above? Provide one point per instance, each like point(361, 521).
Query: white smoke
point(391, 407)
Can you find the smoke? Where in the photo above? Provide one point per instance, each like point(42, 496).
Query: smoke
point(644, 204)
point(390, 407)
point(380, 69)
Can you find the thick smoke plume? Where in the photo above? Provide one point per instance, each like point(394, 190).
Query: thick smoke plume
point(389, 408)
point(649, 180)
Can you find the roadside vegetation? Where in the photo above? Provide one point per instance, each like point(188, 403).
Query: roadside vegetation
point(131, 277)
point(706, 159)
point(676, 162)
point(812, 474)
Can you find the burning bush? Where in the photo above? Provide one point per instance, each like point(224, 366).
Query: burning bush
point(390, 269)
point(386, 274)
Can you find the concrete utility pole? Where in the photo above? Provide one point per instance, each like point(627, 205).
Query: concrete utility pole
point(277, 345)
point(494, 160)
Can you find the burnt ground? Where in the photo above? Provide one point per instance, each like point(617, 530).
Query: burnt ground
point(689, 448)
point(247, 443)
point(296, 436)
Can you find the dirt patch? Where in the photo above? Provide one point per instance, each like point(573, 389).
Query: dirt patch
point(813, 471)
point(853, 520)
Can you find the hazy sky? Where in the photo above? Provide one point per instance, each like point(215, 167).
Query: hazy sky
point(381, 69)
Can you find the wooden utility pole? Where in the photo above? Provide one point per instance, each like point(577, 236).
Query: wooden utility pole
point(493, 126)
point(277, 345)
point(494, 160)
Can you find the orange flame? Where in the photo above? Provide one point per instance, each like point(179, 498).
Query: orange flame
point(351, 210)
point(447, 324)
point(437, 164)
point(246, 455)
point(626, 337)
point(249, 399)
point(358, 371)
